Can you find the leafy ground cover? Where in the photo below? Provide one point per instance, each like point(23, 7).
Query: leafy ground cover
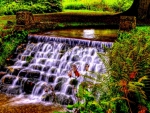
point(35, 6)
point(125, 86)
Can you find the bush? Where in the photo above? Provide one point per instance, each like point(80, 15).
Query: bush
point(9, 44)
point(121, 89)
point(39, 7)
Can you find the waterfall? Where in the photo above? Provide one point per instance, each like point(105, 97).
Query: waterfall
point(41, 70)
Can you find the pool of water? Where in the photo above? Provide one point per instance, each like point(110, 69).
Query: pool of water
point(90, 34)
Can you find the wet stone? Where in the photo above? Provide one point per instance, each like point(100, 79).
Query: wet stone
point(52, 78)
point(60, 55)
point(8, 80)
point(58, 86)
point(28, 86)
point(64, 72)
point(14, 90)
point(10, 61)
point(43, 77)
point(33, 74)
point(69, 90)
point(37, 67)
point(2, 74)
point(19, 81)
point(23, 73)
point(92, 53)
point(16, 71)
point(73, 82)
point(14, 55)
point(53, 70)
point(62, 79)
point(4, 87)
point(49, 97)
point(75, 58)
point(45, 69)
point(25, 64)
point(64, 100)
point(49, 55)
point(56, 63)
point(27, 52)
point(33, 54)
point(67, 58)
point(42, 61)
point(3, 69)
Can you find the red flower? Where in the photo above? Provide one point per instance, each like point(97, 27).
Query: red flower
point(76, 73)
point(123, 83)
point(124, 89)
point(142, 109)
point(69, 74)
point(132, 75)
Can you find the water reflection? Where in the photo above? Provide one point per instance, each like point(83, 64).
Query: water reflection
point(88, 33)
point(91, 34)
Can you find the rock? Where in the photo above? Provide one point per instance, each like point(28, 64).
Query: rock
point(8, 79)
point(73, 82)
point(49, 97)
point(28, 86)
point(127, 23)
point(4, 87)
point(53, 70)
point(14, 90)
point(45, 69)
point(10, 62)
point(69, 90)
point(62, 79)
point(2, 74)
point(23, 73)
point(52, 78)
point(75, 58)
point(64, 100)
point(43, 77)
point(33, 74)
point(16, 71)
point(58, 86)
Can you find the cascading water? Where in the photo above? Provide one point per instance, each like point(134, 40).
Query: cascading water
point(41, 71)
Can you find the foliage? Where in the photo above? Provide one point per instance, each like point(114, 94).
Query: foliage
point(121, 89)
point(9, 44)
point(40, 6)
point(29, 58)
point(98, 5)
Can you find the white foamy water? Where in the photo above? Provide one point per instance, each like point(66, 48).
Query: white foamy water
point(45, 77)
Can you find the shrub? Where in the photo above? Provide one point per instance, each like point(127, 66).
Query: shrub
point(121, 89)
point(35, 7)
point(9, 44)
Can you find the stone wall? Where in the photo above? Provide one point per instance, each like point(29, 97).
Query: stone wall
point(127, 23)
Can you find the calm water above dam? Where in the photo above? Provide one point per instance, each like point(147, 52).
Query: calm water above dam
point(91, 34)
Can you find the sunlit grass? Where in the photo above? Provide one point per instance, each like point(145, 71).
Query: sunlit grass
point(89, 12)
point(98, 5)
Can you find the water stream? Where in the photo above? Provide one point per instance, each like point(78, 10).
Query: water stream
point(40, 72)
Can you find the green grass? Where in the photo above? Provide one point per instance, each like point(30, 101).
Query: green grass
point(4, 19)
point(90, 12)
point(97, 5)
